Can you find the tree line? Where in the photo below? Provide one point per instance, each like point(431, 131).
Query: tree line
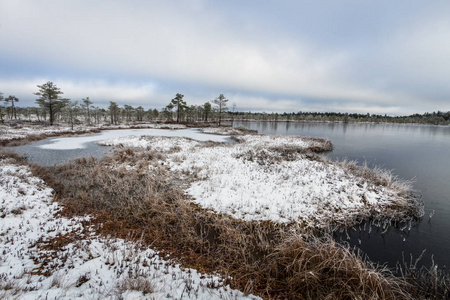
point(434, 118)
point(52, 107)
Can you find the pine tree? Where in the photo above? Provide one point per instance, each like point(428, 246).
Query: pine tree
point(86, 105)
point(221, 102)
point(180, 104)
point(114, 112)
point(12, 99)
point(50, 99)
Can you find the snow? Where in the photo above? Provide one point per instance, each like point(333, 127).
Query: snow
point(77, 142)
point(252, 181)
point(86, 265)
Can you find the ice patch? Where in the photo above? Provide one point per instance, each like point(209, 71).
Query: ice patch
point(78, 142)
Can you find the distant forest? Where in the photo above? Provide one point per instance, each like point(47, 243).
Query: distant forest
point(434, 118)
point(196, 114)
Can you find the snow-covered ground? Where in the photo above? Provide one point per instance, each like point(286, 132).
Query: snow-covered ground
point(46, 256)
point(268, 178)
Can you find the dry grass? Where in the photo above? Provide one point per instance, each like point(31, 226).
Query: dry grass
point(426, 283)
point(409, 203)
point(275, 154)
point(9, 155)
point(263, 258)
point(141, 284)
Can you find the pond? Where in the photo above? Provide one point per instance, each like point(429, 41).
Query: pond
point(413, 152)
point(58, 150)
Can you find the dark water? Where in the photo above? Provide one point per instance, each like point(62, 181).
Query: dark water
point(50, 157)
point(417, 152)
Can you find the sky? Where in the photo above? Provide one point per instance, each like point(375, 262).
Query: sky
point(378, 57)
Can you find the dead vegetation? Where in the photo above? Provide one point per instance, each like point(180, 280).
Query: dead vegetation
point(131, 191)
point(425, 283)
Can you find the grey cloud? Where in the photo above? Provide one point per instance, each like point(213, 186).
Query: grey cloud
point(341, 52)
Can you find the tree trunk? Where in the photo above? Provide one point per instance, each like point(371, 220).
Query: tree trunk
point(51, 114)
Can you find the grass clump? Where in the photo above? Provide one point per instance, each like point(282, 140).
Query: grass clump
point(132, 191)
point(425, 283)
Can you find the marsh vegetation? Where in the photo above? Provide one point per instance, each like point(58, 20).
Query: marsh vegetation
point(149, 190)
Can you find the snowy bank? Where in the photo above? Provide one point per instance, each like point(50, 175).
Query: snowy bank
point(227, 130)
point(46, 256)
point(279, 179)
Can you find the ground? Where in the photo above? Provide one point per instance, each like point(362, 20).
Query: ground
point(34, 266)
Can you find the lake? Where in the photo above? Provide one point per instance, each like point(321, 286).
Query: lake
point(413, 152)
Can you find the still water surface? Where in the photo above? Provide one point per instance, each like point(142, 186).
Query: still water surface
point(413, 152)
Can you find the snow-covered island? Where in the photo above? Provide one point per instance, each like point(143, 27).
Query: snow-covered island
point(279, 179)
point(250, 206)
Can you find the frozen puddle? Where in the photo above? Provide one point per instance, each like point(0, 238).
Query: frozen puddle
point(79, 142)
point(60, 150)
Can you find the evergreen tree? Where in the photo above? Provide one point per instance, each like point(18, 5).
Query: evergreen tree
point(86, 105)
point(128, 110)
point(71, 109)
point(50, 99)
point(180, 104)
point(114, 112)
point(1, 112)
point(206, 110)
point(140, 113)
point(12, 99)
point(221, 102)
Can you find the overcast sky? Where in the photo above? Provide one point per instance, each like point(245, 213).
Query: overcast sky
point(386, 57)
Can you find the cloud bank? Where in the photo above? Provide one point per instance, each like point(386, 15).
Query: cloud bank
point(350, 56)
